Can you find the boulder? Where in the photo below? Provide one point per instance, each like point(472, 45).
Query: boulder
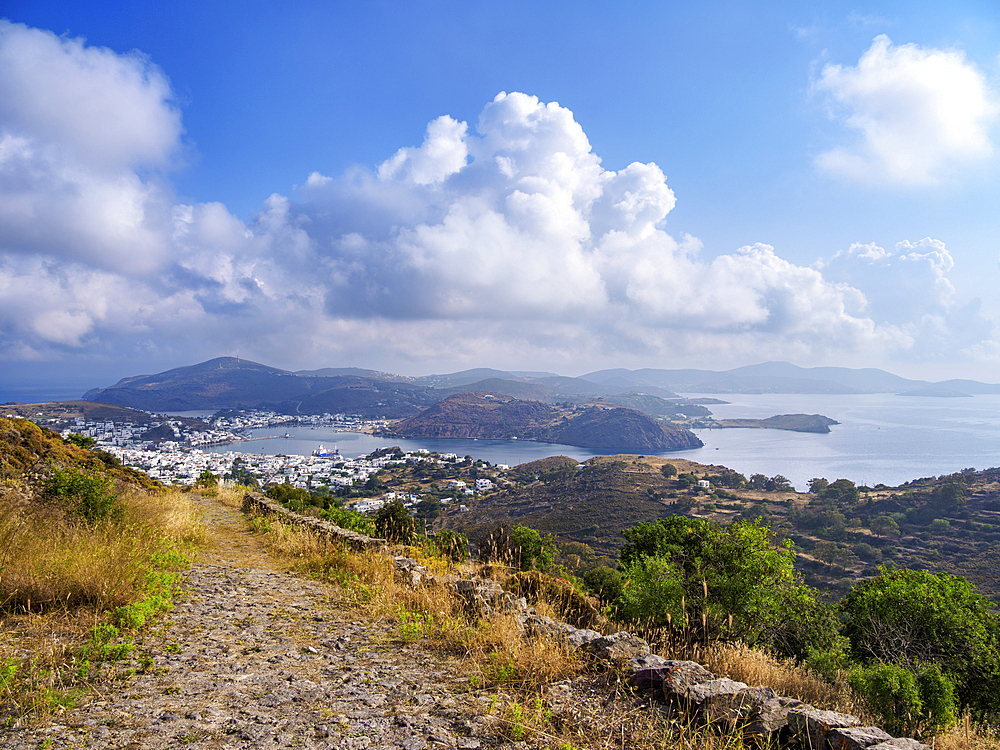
point(855, 738)
point(756, 711)
point(704, 694)
point(900, 743)
point(810, 725)
point(618, 648)
point(681, 675)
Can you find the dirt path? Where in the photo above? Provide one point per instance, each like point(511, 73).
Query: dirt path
point(254, 657)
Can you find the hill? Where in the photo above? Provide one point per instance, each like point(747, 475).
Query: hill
point(501, 417)
point(777, 377)
point(792, 422)
point(26, 451)
point(841, 532)
point(225, 382)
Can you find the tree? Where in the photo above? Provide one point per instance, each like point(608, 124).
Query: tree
point(817, 485)
point(84, 441)
point(394, 523)
point(681, 563)
point(916, 619)
point(882, 525)
point(758, 482)
point(842, 490)
point(778, 483)
point(528, 549)
point(605, 583)
point(668, 470)
point(206, 479)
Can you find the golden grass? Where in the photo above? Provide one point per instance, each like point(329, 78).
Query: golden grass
point(231, 495)
point(55, 560)
point(755, 667)
point(60, 577)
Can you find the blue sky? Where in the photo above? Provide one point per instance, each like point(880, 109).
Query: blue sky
point(429, 186)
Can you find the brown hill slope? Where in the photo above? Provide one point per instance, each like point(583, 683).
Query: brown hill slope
point(598, 426)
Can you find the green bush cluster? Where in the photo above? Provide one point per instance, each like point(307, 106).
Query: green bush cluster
point(91, 496)
point(919, 647)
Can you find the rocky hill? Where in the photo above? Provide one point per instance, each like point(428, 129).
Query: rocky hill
point(500, 417)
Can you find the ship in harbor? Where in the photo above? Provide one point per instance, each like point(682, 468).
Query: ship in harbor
point(324, 452)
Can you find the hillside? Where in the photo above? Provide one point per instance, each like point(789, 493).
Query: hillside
point(777, 377)
point(225, 382)
point(949, 523)
point(501, 417)
point(26, 451)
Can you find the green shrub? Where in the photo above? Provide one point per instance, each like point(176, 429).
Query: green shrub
point(892, 691)
point(908, 703)
point(394, 523)
point(91, 496)
point(909, 617)
point(529, 550)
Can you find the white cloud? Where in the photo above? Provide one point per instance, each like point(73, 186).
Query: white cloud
point(106, 110)
point(443, 153)
point(919, 114)
point(76, 123)
point(509, 243)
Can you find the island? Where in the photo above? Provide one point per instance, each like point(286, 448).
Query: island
point(793, 422)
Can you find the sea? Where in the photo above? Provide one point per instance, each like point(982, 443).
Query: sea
point(881, 439)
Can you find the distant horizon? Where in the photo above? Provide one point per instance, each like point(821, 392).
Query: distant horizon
point(70, 392)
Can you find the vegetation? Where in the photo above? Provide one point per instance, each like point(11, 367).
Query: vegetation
point(85, 554)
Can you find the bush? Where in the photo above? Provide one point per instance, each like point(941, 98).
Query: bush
point(394, 523)
point(909, 617)
point(890, 690)
point(84, 441)
point(91, 496)
point(605, 583)
point(907, 702)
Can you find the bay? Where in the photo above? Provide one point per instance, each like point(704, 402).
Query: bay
point(301, 441)
point(881, 439)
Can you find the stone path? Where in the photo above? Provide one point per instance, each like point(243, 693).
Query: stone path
point(253, 657)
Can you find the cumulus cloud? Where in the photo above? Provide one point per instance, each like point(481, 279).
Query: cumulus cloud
point(77, 126)
point(506, 242)
point(908, 288)
point(918, 113)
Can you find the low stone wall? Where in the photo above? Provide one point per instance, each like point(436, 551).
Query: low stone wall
point(688, 690)
point(257, 504)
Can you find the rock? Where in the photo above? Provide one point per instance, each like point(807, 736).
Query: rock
point(680, 675)
point(647, 672)
point(855, 738)
point(618, 648)
point(900, 743)
point(703, 694)
point(810, 726)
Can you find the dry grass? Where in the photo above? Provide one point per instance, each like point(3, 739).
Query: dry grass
point(54, 560)
point(754, 667)
point(61, 577)
point(230, 496)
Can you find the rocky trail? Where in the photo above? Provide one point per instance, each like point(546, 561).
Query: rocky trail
point(254, 657)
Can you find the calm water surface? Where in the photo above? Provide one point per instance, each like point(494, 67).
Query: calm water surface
point(882, 438)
